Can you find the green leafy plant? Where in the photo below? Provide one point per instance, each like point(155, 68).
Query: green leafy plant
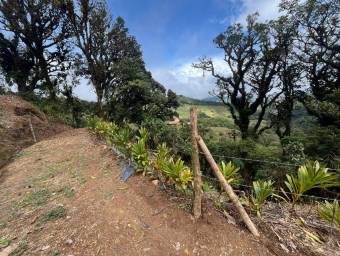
point(230, 172)
point(122, 140)
point(178, 173)
point(53, 214)
point(4, 242)
point(262, 190)
point(330, 212)
point(309, 176)
point(161, 156)
point(140, 155)
point(143, 134)
point(91, 123)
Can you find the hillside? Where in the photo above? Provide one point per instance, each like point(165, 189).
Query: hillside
point(15, 132)
point(63, 196)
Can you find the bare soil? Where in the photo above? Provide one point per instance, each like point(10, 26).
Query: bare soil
point(63, 196)
point(15, 133)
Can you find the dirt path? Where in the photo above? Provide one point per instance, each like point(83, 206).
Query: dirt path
point(63, 197)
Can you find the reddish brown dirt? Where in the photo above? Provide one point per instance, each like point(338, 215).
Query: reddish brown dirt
point(15, 132)
point(104, 216)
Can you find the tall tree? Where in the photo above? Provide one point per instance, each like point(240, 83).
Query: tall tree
point(17, 64)
point(318, 50)
point(40, 26)
point(252, 55)
point(289, 76)
point(107, 49)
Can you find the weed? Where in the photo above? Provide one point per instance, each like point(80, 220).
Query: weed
point(53, 214)
point(68, 192)
point(36, 198)
point(4, 242)
point(108, 194)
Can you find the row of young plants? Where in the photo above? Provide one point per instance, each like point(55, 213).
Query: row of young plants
point(132, 142)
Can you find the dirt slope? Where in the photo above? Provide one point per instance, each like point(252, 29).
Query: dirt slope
point(62, 196)
point(15, 132)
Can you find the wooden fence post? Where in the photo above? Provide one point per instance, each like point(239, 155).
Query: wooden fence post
point(197, 208)
point(227, 187)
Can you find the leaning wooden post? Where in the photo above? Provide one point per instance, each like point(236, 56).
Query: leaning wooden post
point(227, 187)
point(197, 209)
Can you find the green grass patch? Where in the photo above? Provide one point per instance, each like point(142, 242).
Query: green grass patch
point(36, 198)
point(4, 242)
point(68, 192)
point(53, 214)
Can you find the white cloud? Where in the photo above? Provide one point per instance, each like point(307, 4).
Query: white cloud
point(268, 9)
point(85, 90)
point(187, 80)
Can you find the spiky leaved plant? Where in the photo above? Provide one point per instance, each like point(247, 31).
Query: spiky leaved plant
point(140, 155)
point(230, 172)
point(178, 173)
point(330, 212)
point(309, 176)
point(161, 156)
point(262, 190)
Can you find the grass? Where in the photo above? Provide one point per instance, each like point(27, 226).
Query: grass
point(68, 192)
point(4, 242)
point(36, 198)
point(53, 214)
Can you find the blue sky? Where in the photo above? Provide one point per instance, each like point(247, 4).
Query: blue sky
point(175, 33)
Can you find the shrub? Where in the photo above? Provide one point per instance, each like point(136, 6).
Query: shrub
point(178, 173)
point(309, 176)
point(230, 172)
point(330, 212)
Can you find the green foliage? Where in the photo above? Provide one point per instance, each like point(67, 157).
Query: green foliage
point(4, 242)
point(230, 172)
point(261, 191)
point(53, 214)
point(36, 198)
point(330, 212)
point(309, 176)
point(140, 155)
point(178, 173)
point(161, 157)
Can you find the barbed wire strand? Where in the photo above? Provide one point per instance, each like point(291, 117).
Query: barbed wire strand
point(275, 190)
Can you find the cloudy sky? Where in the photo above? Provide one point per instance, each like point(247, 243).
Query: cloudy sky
point(174, 33)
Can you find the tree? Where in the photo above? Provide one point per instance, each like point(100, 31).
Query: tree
point(107, 50)
point(289, 75)
point(318, 51)
point(17, 64)
point(40, 26)
point(252, 55)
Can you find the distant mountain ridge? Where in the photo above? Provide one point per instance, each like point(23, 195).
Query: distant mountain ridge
point(192, 101)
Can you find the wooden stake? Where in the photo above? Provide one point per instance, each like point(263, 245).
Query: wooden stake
point(227, 187)
point(197, 209)
point(32, 130)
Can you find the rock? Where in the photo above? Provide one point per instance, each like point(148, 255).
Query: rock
point(44, 248)
point(69, 241)
point(146, 249)
point(155, 182)
point(177, 246)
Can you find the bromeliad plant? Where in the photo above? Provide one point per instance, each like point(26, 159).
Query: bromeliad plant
point(309, 176)
point(330, 212)
point(162, 155)
point(262, 190)
point(230, 172)
point(178, 173)
point(140, 155)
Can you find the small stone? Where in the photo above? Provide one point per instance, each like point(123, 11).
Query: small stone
point(177, 246)
point(69, 241)
point(155, 182)
point(46, 247)
point(68, 217)
point(146, 249)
